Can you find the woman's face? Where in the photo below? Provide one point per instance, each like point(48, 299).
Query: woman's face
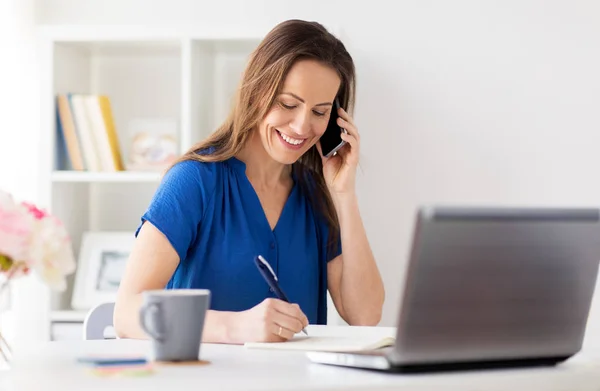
point(300, 112)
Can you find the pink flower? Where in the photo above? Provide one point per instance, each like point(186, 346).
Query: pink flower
point(38, 214)
point(36, 240)
point(16, 226)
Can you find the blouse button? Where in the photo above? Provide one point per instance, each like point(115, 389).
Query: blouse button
point(272, 245)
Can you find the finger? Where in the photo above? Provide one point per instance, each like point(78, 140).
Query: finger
point(304, 318)
point(343, 114)
point(350, 128)
point(344, 151)
point(350, 139)
point(280, 332)
point(349, 152)
point(292, 311)
point(288, 323)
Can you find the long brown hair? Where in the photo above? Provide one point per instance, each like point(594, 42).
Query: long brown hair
point(262, 80)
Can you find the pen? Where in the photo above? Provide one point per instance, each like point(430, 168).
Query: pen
point(269, 276)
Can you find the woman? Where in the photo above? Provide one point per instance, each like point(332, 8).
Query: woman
point(259, 185)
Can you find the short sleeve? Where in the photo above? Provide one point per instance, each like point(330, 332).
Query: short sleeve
point(177, 206)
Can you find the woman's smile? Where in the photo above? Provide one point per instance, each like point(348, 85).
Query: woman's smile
point(290, 142)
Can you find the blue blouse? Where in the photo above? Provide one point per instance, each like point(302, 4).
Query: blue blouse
point(213, 218)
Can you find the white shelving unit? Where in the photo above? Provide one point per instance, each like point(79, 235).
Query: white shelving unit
point(104, 177)
point(67, 316)
point(181, 74)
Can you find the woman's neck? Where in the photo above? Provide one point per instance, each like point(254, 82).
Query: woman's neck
point(261, 169)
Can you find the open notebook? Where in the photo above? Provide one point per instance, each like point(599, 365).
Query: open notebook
point(326, 344)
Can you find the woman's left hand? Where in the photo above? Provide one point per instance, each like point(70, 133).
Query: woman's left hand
point(340, 170)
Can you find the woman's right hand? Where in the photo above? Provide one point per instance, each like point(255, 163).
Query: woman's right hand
point(273, 320)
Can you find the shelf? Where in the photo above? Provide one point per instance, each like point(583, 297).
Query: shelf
point(106, 177)
point(185, 75)
point(68, 316)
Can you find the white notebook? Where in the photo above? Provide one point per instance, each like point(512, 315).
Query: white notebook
point(326, 344)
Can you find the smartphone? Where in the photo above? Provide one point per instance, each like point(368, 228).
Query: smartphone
point(331, 141)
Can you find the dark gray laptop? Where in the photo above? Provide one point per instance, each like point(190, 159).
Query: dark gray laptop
point(491, 288)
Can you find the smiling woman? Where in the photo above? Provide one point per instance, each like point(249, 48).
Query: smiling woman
point(259, 185)
point(300, 115)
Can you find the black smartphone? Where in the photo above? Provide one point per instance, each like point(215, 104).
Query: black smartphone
point(331, 141)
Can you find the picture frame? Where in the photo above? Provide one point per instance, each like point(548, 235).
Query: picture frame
point(100, 266)
point(153, 143)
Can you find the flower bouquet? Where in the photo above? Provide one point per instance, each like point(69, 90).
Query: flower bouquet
point(31, 240)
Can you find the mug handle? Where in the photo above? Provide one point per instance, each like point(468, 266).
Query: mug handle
point(151, 311)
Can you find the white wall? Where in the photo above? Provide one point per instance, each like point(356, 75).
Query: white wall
point(19, 100)
point(458, 101)
point(19, 143)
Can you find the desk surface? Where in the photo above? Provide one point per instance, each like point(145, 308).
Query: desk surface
point(54, 366)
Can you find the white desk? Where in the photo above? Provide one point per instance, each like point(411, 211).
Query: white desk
point(54, 367)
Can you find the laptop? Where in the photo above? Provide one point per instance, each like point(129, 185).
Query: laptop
point(488, 288)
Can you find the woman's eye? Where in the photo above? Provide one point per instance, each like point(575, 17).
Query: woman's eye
point(318, 113)
point(287, 106)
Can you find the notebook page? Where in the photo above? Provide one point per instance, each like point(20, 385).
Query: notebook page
point(325, 344)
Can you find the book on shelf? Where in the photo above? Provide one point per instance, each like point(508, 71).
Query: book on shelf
point(87, 139)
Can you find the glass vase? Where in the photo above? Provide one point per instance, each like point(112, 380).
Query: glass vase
point(5, 351)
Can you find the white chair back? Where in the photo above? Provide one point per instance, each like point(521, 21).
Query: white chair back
point(98, 320)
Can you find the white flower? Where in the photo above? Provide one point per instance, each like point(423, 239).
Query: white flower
point(51, 252)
